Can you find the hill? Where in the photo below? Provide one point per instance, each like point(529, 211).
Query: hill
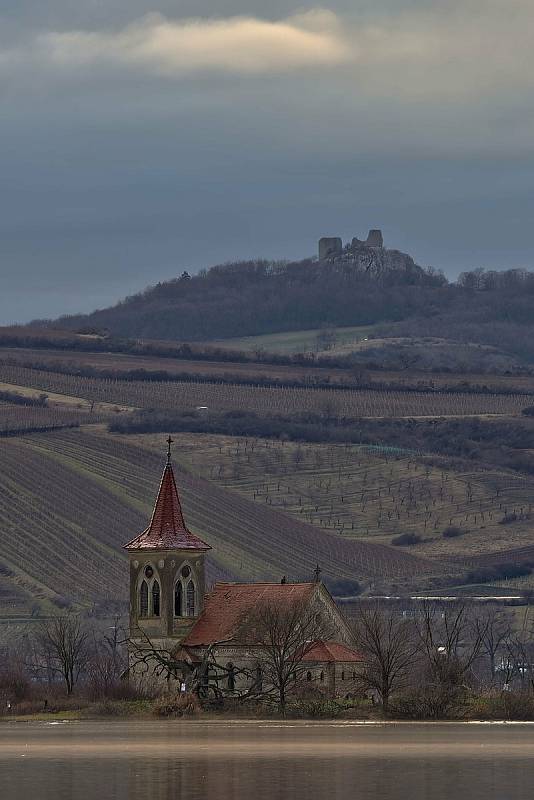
point(396, 451)
point(384, 297)
point(249, 298)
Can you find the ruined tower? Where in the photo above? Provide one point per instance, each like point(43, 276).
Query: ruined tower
point(329, 246)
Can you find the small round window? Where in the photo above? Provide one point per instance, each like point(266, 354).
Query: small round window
point(149, 571)
point(186, 571)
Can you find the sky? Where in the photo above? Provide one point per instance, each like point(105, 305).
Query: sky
point(140, 139)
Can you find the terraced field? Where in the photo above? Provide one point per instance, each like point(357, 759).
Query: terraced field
point(348, 403)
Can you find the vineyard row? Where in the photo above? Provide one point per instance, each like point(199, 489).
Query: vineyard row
point(265, 400)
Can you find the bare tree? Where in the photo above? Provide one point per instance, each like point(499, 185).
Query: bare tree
point(282, 635)
point(326, 338)
point(451, 641)
point(494, 632)
point(61, 648)
point(14, 678)
point(157, 663)
point(518, 663)
point(107, 660)
point(388, 645)
point(206, 678)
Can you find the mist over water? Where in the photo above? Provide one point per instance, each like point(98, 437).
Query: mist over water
point(236, 760)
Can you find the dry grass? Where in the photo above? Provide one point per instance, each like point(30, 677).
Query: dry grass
point(295, 341)
point(63, 401)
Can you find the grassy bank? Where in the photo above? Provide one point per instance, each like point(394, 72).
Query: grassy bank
point(491, 705)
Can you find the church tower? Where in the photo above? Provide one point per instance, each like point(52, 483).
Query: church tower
point(167, 570)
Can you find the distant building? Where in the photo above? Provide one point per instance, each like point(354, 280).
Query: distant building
point(332, 246)
point(366, 255)
point(171, 611)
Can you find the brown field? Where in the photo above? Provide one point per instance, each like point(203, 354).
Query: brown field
point(275, 372)
point(188, 395)
point(370, 494)
point(18, 418)
point(70, 499)
point(65, 402)
point(34, 333)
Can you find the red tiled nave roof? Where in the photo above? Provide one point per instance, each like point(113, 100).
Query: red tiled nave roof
point(331, 651)
point(228, 604)
point(167, 529)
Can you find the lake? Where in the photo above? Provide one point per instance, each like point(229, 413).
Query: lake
point(224, 760)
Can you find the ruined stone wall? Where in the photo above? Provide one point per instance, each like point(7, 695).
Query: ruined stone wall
point(329, 246)
point(369, 256)
point(375, 238)
point(332, 246)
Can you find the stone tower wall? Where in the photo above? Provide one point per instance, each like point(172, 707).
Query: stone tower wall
point(167, 565)
point(329, 246)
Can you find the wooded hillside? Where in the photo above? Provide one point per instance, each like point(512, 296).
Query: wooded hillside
point(259, 297)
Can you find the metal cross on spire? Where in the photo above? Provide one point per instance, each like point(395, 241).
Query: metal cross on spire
point(317, 573)
point(169, 443)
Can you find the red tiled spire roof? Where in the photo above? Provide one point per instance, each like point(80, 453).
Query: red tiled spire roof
point(167, 529)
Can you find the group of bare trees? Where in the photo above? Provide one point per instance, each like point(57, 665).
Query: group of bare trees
point(424, 661)
point(69, 655)
point(439, 654)
point(284, 636)
point(64, 654)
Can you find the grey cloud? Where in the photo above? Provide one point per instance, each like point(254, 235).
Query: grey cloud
point(236, 45)
point(451, 50)
point(117, 172)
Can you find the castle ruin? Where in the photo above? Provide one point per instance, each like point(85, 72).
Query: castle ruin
point(369, 255)
point(332, 246)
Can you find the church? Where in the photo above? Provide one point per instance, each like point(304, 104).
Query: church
point(180, 628)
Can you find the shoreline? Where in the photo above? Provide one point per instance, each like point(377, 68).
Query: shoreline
point(57, 718)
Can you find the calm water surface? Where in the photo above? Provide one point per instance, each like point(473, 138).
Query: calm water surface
point(236, 760)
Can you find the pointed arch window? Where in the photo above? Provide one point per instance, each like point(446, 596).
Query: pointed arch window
point(143, 599)
point(185, 593)
point(155, 599)
point(149, 593)
point(178, 599)
point(190, 599)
